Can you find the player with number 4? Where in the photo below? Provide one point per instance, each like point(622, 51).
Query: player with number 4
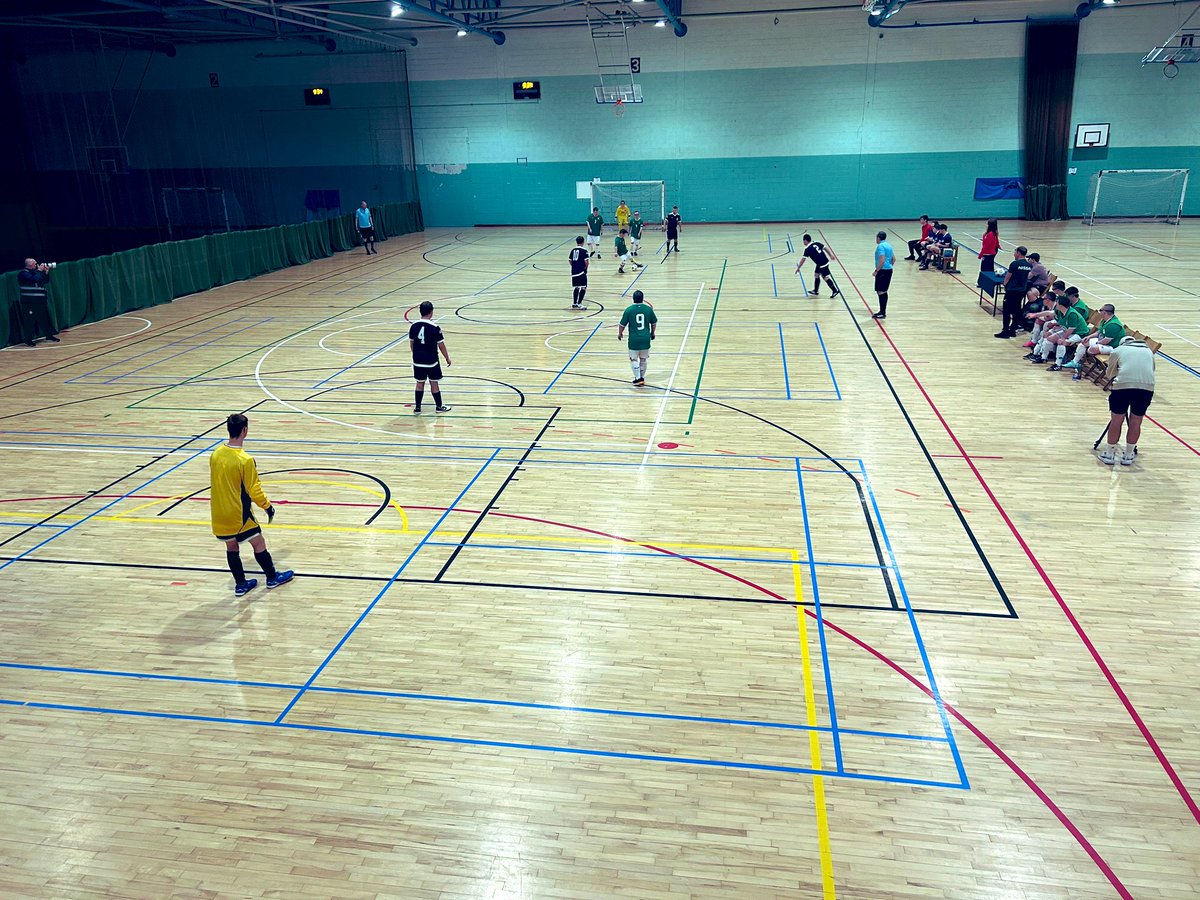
point(642, 323)
point(425, 339)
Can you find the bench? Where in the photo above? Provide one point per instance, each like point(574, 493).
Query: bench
point(1095, 368)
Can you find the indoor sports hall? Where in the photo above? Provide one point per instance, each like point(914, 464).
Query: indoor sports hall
point(834, 603)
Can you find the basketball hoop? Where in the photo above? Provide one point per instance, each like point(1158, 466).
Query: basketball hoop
point(619, 108)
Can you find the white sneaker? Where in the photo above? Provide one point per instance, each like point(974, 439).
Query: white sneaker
point(1107, 457)
point(1128, 457)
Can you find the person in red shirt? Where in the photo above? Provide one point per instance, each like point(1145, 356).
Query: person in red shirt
point(991, 246)
point(912, 245)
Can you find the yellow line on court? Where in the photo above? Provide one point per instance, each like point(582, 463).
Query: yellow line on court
point(814, 741)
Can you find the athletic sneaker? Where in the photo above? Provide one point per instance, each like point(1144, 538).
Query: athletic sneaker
point(621, 271)
point(245, 587)
point(1071, 365)
point(1128, 457)
point(813, 294)
point(280, 578)
point(416, 410)
point(443, 408)
point(1029, 356)
point(1077, 376)
point(1030, 344)
point(1002, 334)
point(910, 257)
point(879, 316)
point(1038, 361)
point(1055, 368)
point(638, 382)
point(1108, 457)
point(923, 266)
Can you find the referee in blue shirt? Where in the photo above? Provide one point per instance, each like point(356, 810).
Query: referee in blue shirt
point(885, 258)
point(366, 227)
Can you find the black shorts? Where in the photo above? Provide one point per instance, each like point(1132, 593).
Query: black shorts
point(672, 235)
point(883, 278)
point(430, 373)
point(241, 535)
point(823, 271)
point(579, 280)
point(1129, 401)
point(367, 234)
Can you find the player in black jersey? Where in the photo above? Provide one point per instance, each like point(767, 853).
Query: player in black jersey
point(579, 269)
point(820, 255)
point(674, 225)
point(425, 339)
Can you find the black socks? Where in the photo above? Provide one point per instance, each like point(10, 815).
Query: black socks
point(883, 303)
point(264, 561)
point(419, 395)
point(235, 565)
point(437, 399)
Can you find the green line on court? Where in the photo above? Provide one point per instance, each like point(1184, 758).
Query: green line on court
point(227, 362)
point(707, 338)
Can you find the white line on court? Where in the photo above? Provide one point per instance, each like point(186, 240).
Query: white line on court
point(1093, 278)
point(662, 406)
point(65, 345)
point(1179, 336)
point(1125, 240)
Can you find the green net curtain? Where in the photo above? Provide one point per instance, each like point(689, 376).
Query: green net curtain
point(89, 290)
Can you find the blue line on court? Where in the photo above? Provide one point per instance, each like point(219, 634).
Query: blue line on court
point(33, 525)
point(400, 571)
point(787, 384)
point(109, 505)
point(828, 364)
point(768, 242)
point(475, 742)
point(505, 278)
point(1183, 366)
point(186, 350)
point(473, 701)
point(173, 343)
point(774, 286)
point(791, 249)
point(642, 271)
point(379, 352)
point(803, 283)
point(912, 618)
point(566, 366)
point(812, 573)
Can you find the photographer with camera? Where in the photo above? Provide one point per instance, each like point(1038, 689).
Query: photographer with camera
point(33, 305)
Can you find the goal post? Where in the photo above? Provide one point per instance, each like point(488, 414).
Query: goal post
point(647, 197)
point(1137, 195)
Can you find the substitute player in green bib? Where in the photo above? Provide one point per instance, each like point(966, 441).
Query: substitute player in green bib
point(635, 233)
point(594, 223)
point(642, 323)
point(623, 253)
point(1108, 335)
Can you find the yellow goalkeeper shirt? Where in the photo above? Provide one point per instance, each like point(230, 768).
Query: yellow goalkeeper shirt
point(622, 216)
point(235, 485)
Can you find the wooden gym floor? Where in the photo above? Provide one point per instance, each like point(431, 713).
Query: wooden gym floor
point(828, 608)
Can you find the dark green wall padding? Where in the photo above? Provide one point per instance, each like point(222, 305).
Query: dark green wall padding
point(89, 290)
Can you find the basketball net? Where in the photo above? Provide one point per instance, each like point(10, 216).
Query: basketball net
point(619, 108)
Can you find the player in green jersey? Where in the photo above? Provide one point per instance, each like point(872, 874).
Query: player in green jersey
point(635, 233)
point(623, 252)
point(639, 318)
point(594, 223)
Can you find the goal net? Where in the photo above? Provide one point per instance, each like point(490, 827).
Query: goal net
point(647, 197)
point(1135, 195)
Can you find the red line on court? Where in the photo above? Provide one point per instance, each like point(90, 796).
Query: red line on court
point(910, 493)
point(960, 456)
point(1180, 787)
point(1174, 435)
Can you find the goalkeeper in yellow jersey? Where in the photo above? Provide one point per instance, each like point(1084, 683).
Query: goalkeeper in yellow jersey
point(622, 216)
point(235, 486)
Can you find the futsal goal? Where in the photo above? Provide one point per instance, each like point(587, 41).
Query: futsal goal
point(1137, 195)
point(647, 197)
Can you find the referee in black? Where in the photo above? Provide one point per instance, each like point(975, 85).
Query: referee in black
point(33, 304)
point(817, 252)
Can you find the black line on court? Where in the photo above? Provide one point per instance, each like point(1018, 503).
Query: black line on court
point(458, 312)
point(541, 588)
point(462, 542)
point(520, 394)
point(912, 426)
point(1144, 275)
point(129, 474)
point(387, 491)
point(534, 253)
point(883, 568)
point(1143, 247)
point(1181, 365)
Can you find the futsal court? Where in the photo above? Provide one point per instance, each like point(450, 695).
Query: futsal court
point(829, 607)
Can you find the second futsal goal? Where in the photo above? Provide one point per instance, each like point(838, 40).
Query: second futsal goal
point(1136, 195)
point(647, 197)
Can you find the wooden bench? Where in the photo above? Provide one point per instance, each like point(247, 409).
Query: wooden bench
point(1095, 368)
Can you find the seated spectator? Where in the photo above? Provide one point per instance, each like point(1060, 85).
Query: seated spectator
point(1132, 364)
point(928, 247)
point(1077, 303)
point(937, 248)
point(1108, 335)
point(926, 227)
point(1072, 329)
point(1038, 278)
point(1040, 311)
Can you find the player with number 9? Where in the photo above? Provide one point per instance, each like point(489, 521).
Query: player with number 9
point(642, 323)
